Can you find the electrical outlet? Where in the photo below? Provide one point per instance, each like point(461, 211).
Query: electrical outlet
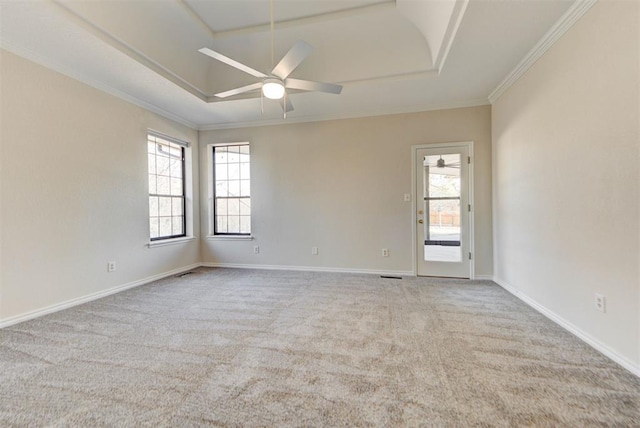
point(314, 251)
point(385, 252)
point(111, 266)
point(407, 197)
point(600, 303)
point(256, 249)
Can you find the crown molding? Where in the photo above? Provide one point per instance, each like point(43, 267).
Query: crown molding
point(57, 67)
point(52, 65)
point(571, 16)
point(130, 51)
point(349, 115)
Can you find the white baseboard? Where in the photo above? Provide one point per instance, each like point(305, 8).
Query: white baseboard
point(584, 336)
point(309, 269)
point(88, 298)
point(587, 338)
point(484, 277)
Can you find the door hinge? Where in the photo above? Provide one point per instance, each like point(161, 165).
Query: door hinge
point(469, 159)
point(469, 256)
point(469, 207)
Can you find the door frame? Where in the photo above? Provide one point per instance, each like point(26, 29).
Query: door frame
point(415, 199)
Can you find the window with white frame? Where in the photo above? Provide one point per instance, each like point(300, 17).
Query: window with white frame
point(231, 189)
point(167, 202)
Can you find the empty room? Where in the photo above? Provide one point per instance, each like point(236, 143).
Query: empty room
point(319, 213)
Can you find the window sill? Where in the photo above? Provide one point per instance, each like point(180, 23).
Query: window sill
point(174, 241)
point(229, 238)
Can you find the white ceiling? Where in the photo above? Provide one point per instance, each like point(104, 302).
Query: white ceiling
point(390, 56)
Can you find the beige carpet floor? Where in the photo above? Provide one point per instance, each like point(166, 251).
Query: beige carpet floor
point(226, 347)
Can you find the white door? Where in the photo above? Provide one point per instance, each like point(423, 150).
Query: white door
point(443, 211)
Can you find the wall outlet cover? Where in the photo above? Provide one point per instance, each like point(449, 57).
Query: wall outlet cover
point(600, 302)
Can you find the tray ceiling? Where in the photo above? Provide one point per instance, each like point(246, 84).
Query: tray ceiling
point(391, 56)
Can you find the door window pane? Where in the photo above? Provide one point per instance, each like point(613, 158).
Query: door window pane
point(442, 208)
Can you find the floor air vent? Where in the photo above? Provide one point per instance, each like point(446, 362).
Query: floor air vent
point(390, 277)
point(180, 275)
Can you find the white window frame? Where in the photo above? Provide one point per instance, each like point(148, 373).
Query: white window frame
point(188, 192)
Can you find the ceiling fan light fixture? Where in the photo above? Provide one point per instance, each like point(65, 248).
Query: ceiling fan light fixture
point(273, 89)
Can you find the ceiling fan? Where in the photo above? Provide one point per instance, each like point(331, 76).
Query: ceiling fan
point(440, 163)
point(275, 84)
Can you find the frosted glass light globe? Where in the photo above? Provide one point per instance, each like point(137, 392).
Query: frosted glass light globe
point(273, 89)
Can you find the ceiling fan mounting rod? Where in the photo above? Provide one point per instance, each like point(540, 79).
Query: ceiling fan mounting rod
point(273, 62)
point(275, 84)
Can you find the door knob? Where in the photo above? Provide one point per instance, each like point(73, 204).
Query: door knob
point(420, 221)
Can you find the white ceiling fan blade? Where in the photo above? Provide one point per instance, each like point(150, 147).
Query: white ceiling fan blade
point(289, 104)
point(240, 90)
point(307, 85)
point(292, 59)
point(231, 62)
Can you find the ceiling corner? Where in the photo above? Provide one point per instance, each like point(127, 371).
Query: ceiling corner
point(438, 22)
point(566, 21)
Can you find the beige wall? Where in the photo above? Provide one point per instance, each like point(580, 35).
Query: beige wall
point(566, 186)
point(74, 190)
point(566, 148)
point(339, 185)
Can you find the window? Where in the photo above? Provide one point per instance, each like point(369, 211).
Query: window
point(232, 190)
point(166, 188)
